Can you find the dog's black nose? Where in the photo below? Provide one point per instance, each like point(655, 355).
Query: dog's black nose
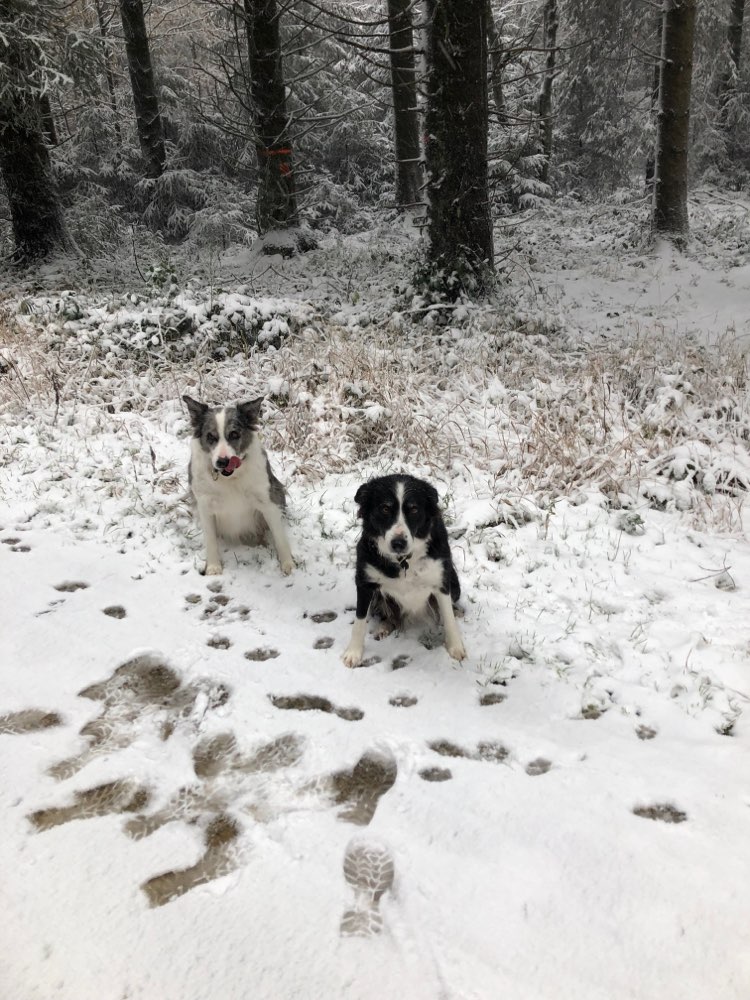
point(222, 463)
point(399, 543)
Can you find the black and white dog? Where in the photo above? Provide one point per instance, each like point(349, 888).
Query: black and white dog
point(404, 563)
point(237, 494)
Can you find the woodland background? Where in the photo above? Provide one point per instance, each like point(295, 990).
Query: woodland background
point(208, 122)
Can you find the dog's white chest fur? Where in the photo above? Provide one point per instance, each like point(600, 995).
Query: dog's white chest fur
point(412, 588)
point(235, 501)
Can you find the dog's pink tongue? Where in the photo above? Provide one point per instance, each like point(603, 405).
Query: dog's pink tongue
point(234, 463)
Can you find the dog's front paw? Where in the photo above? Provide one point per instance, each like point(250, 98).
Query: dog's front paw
point(213, 569)
point(352, 656)
point(288, 566)
point(456, 649)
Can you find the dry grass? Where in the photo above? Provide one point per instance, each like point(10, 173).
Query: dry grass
point(651, 421)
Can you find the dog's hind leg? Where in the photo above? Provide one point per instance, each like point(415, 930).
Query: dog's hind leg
point(352, 655)
point(210, 540)
point(453, 641)
point(389, 613)
point(275, 521)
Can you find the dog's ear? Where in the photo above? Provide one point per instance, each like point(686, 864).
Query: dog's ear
point(250, 412)
point(197, 412)
point(362, 496)
point(432, 500)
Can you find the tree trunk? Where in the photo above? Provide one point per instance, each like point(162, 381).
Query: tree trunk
point(459, 223)
point(277, 195)
point(108, 70)
point(150, 133)
point(496, 66)
point(48, 120)
point(671, 179)
point(728, 82)
point(654, 103)
point(35, 209)
point(545, 98)
point(405, 115)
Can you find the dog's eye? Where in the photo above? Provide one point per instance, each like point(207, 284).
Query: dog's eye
point(411, 508)
point(233, 435)
point(385, 508)
point(211, 438)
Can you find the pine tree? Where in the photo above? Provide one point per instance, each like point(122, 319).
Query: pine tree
point(734, 53)
point(277, 195)
point(36, 213)
point(405, 114)
point(148, 118)
point(102, 22)
point(545, 98)
point(670, 215)
point(459, 224)
point(494, 48)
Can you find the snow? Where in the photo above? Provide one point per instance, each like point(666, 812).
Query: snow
point(704, 293)
point(590, 839)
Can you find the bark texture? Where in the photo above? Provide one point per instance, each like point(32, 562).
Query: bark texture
point(654, 103)
point(545, 98)
point(277, 196)
point(405, 116)
point(148, 118)
point(671, 180)
point(459, 224)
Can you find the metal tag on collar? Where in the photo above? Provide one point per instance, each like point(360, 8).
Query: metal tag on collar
point(403, 562)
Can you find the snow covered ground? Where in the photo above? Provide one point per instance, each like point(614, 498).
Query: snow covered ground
point(200, 801)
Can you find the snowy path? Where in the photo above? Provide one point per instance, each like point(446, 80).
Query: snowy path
point(208, 804)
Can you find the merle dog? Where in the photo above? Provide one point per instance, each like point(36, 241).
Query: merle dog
point(236, 492)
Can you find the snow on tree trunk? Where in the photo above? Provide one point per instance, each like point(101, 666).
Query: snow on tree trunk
point(728, 83)
point(671, 177)
point(35, 209)
point(404, 88)
point(277, 196)
point(545, 97)
point(458, 216)
point(148, 118)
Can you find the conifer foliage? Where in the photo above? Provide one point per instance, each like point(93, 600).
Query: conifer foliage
point(28, 69)
point(220, 121)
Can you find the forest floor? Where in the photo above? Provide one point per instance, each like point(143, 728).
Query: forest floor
point(200, 801)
